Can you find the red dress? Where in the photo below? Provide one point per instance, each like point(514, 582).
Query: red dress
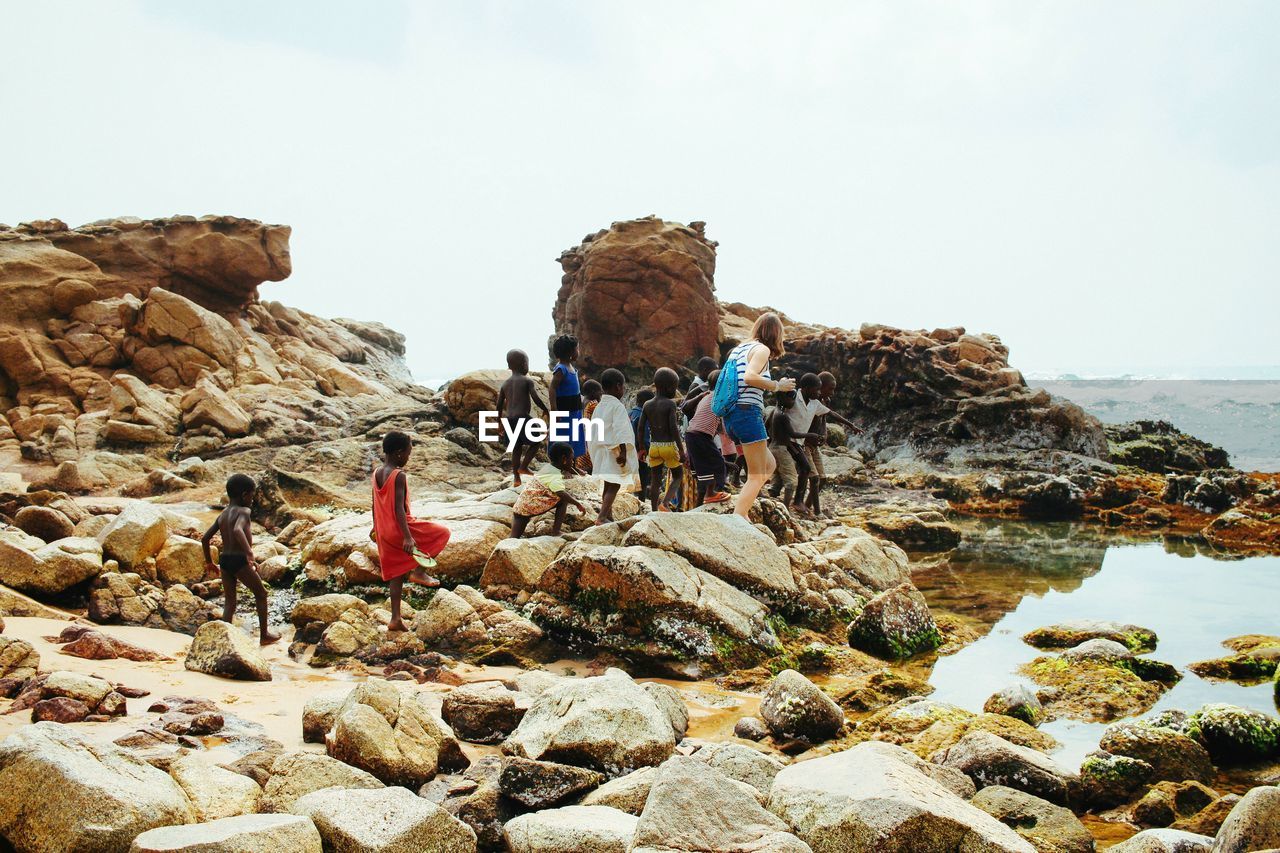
point(428, 536)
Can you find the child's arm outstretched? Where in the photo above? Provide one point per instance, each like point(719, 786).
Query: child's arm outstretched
point(533, 395)
point(402, 488)
point(204, 543)
point(842, 420)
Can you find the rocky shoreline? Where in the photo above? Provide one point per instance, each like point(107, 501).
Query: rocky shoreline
point(138, 369)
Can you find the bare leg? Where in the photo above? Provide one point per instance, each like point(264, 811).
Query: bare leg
point(515, 460)
point(760, 466)
point(397, 589)
point(562, 509)
point(814, 500)
point(259, 591)
point(655, 487)
point(606, 502)
point(673, 488)
point(228, 596)
point(518, 524)
point(530, 451)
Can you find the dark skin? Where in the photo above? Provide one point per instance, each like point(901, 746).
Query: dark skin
point(620, 453)
point(690, 406)
point(237, 540)
point(824, 391)
point(783, 435)
point(557, 378)
point(659, 416)
point(516, 399)
point(393, 466)
point(564, 462)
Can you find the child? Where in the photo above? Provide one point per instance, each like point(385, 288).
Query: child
point(546, 491)
point(236, 558)
point(591, 394)
point(702, 382)
point(643, 396)
point(701, 437)
point(566, 394)
point(807, 408)
point(515, 404)
point(659, 433)
point(404, 542)
point(825, 391)
point(786, 453)
point(613, 456)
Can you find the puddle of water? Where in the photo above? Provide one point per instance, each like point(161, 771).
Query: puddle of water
point(1016, 577)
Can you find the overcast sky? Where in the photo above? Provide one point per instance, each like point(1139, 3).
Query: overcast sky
point(1096, 182)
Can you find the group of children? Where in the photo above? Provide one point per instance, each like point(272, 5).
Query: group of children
point(647, 448)
point(651, 447)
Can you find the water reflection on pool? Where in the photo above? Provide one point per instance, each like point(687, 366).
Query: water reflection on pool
point(1023, 576)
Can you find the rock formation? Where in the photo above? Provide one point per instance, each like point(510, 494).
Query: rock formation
point(640, 294)
point(148, 338)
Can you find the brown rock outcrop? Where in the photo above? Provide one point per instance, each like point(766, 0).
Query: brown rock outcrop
point(640, 294)
point(148, 335)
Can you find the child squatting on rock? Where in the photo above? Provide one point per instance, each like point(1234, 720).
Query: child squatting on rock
point(545, 492)
point(406, 545)
point(235, 561)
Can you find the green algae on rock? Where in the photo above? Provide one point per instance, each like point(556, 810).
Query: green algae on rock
point(1108, 780)
point(1096, 690)
point(1255, 660)
point(896, 624)
point(1235, 735)
point(1076, 631)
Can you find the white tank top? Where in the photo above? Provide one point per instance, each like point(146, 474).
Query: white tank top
point(748, 395)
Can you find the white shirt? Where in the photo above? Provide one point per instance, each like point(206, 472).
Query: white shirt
point(803, 413)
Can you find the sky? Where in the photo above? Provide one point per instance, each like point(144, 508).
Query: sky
point(1098, 183)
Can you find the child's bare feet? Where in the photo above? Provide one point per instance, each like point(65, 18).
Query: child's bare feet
point(421, 578)
point(396, 627)
point(268, 637)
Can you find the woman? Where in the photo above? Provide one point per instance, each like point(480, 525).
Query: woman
point(745, 424)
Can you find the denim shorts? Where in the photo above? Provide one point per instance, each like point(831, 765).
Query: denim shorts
point(745, 424)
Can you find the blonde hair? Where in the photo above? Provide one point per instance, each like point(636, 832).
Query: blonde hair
point(768, 331)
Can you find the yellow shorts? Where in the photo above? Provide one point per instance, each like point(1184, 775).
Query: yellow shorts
point(663, 453)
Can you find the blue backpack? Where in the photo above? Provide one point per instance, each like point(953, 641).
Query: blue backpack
point(725, 397)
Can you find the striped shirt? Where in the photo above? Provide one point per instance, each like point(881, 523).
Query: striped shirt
point(704, 420)
point(748, 395)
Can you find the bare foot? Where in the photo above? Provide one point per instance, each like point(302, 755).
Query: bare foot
point(396, 627)
point(516, 484)
point(422, 579)
point(268, 638)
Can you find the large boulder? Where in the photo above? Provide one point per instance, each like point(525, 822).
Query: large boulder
point(740, 762)
point(43, 522)
point(234, 835)
point(651, 604)
point(214, 792)
point(1165, 841)
point(694, 807)
point(727, 546)
point(640, 294)
point(1051, 828)
point(32, 566)
point(517, 564)
point(18, 659)
point(66, 792)
point(1254, 824)
point(392, 735)
point(991, 760)
point(220, 648)
point(483, 713)
point(471, 541)
point(387, 820)
point(793, 706)
point(572, 829)
point(181, 560)
point(896, 624)
point(627, 793)
point(1172, 755)
point(864, 799)
point(463, 619)
point(1235, 735)
point(543, 784)
point(295, 774)
point(138, 532)
point(607, 723)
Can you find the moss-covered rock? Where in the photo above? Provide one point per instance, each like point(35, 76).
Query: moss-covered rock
point(880, 689)
point(1173, 755)
point(1235, 735)
point(1017, 701)
point(896, 624)
point(1096, 689)
point(925, 726)
point(1256, 658)
point(1065, 635)
point(1108, 780)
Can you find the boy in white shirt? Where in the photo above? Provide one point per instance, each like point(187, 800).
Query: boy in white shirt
point(613, 455)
